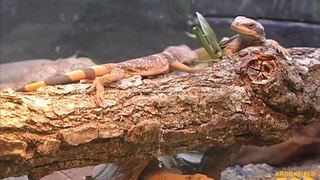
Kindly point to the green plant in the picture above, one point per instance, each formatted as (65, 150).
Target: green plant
(207, 37)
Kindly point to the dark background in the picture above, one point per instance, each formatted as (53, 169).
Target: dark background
(112, 30)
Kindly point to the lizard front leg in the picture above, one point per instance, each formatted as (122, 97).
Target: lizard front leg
(275, 45)
(116, 74)
(180, 66)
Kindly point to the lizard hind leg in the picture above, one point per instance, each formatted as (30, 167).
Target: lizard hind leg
(99, 82)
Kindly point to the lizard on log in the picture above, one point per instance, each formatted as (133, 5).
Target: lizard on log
(173, 57)
(250, 33)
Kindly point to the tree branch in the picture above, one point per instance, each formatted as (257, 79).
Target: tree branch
(61, 127)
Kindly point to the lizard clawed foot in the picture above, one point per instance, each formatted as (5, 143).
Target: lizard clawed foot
(283, 51)
(98, 86)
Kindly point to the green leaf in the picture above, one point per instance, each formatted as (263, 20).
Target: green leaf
(206, 28)
(209, 33)
(204, 41)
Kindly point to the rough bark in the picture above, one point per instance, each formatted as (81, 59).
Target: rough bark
(61, 127)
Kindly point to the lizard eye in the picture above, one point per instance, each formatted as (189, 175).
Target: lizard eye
(251, 26)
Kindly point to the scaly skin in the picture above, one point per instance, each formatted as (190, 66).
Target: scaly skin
(172, 57)
(250, 33)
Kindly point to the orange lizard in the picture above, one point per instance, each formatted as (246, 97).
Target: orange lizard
(173, 57)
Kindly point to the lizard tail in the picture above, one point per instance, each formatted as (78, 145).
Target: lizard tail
(73, 76)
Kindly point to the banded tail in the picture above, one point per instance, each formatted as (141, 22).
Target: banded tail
(73, 76)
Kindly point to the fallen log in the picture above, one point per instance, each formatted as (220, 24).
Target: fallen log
(61, 127)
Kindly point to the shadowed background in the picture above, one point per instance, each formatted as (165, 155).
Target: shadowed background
(121, 29)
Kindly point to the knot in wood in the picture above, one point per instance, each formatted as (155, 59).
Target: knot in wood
(258, 64)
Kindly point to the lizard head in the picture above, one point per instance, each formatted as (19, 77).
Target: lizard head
(248, 28)
(182, 53)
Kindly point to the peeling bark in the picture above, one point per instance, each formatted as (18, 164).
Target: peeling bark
(61, 127)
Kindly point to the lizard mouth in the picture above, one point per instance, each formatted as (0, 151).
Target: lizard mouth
(242, 30)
